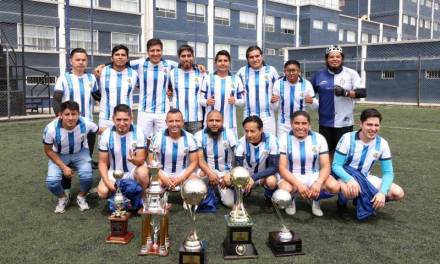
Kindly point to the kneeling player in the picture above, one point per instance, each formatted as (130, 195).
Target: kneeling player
(304, 163)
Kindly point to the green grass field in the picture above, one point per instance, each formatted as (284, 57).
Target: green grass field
(404, 232)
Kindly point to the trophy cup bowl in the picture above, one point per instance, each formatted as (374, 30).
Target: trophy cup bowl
(240, 177)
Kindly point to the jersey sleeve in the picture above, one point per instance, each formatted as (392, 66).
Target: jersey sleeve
(104, 140)
(344, 144)
(386, 152)
(204, 90)
(232, 139)
(274, 146)
(198, 136)
(240, 149)
(192, 143)
(135, 64)
(59, 85)
(283, 143)
(172, 63)
(275, 75)
(91, 126)
(141, 142)
(48, 135)
(322, 144)
(357, 81)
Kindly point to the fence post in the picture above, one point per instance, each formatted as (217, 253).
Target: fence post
(8, 83)
(419, 76)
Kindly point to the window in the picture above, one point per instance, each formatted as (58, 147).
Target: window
(414, 1)
(219, 47)
(242, 52)
(287, 26)
(374, 38)
(248, 20)
(428, 3)
(412, 21)
(125, 5)
(195, 12)
(269, 24)
(392, 39)
(169, 47)
(364, 38)
(222, 16)
(82, 38)
(199, 48)
(281, 52)
(387, 75)
(37, 37)
(341, 35)
(421, 22)
(351, 36)
(435, 26)
(129, 40)
(85, 3)
(269, 51)
(166, 8)
(33, 80)
(307, 75)
(332, 27)
(422, 2)
(436, 6)
(427, 24)
(405, 19)
(432, 74)
(317, 24)
(384, 39)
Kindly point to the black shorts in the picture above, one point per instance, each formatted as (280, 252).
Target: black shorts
(333, 134)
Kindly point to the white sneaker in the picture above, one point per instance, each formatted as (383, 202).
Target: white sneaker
(291, 208)
(82, 203)
(185, 206)
(316, 209)
(61, 205)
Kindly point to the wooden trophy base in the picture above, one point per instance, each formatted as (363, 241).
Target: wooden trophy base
(119, 233)
(153, 250)
(187, 257)
(283, 249)
(239, 251)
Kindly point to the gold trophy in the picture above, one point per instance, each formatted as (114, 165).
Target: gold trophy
(192, 250)
(119, 218)
(238, 242)
(154, 240)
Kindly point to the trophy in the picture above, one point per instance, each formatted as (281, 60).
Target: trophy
(192, 250)
(238, 242)
(154, 240)
(119, 218)
(283, 242)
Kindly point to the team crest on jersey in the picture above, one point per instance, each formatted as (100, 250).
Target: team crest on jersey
(342, 82)
(301, 94)
(225, 144)
(266, 77)
(315, 148)
(186, 150)
(264, 152)
(375, 154)
(133, 145)
(196, 79)
(129, 81)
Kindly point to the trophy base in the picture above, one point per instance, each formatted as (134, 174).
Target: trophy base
(239, 251)
(189, 257)
(288, 248)
(119, 233)
(119, 239)
(153, 250)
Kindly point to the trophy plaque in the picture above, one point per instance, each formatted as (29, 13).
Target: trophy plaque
(193, 250)
(119, 218)
(154, 230)
(283, 242)
(238, 242)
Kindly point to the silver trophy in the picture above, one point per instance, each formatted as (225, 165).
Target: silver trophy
(281, 199)
(119, 199)
(239, 179)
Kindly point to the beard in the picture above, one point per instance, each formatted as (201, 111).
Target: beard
(213, 134)
(335, 70)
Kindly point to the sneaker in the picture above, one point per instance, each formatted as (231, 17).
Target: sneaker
(291, 208)
(82, 203)
(316, 209)
(185, 206)
(93, 193)
(61, 205)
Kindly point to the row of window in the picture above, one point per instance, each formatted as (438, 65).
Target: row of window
(429, 74)
(423, 23)
(365, 37)
(428, 3)
(126, 5)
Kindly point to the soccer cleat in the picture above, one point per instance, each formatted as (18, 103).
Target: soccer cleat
(291, 208)
(82, 203)
(61, 205)
(316, 209)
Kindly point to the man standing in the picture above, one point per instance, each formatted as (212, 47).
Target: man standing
(185, 83)
(216, 151)
(337, 87)
(65, 143)
(258, 79)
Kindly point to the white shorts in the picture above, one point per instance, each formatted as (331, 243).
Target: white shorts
(307, 179)
(269, 124)
(104, 123)
(151, 123)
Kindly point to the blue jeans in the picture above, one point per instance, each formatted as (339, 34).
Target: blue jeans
(80, 162)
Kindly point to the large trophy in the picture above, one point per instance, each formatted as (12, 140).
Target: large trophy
(119, 218)
(154, 240)
(283, 242)
(192, 250)
(238, 242)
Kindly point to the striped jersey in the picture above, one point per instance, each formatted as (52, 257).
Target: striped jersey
(258, 86)
(119, 147)
(186, 91)
(256, 157)
(78, 89)
(218, 152)
(362, 156)
(153, 84)
(292, 97)
(68, 141)
(221, 89)
(173, 154)
(116, 88)
(303, 154)
(336, 111)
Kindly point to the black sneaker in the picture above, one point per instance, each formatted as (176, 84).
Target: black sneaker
(268, 206)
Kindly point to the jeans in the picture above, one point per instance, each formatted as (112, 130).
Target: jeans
(80, 162)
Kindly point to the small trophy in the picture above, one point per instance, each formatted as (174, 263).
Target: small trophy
(238, 242)
(283, 242)
(192, 250)
(154, 240)
(119, 218)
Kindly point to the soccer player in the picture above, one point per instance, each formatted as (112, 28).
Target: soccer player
(65, 143)
(258, 79)
(216, 145)
(185, 83)
(117, 82)
(223, 91)
(176, 150)
(360, 150)
(294, 93)
(338, 87)
(258, 152)
(122, 147)
(304, 163)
